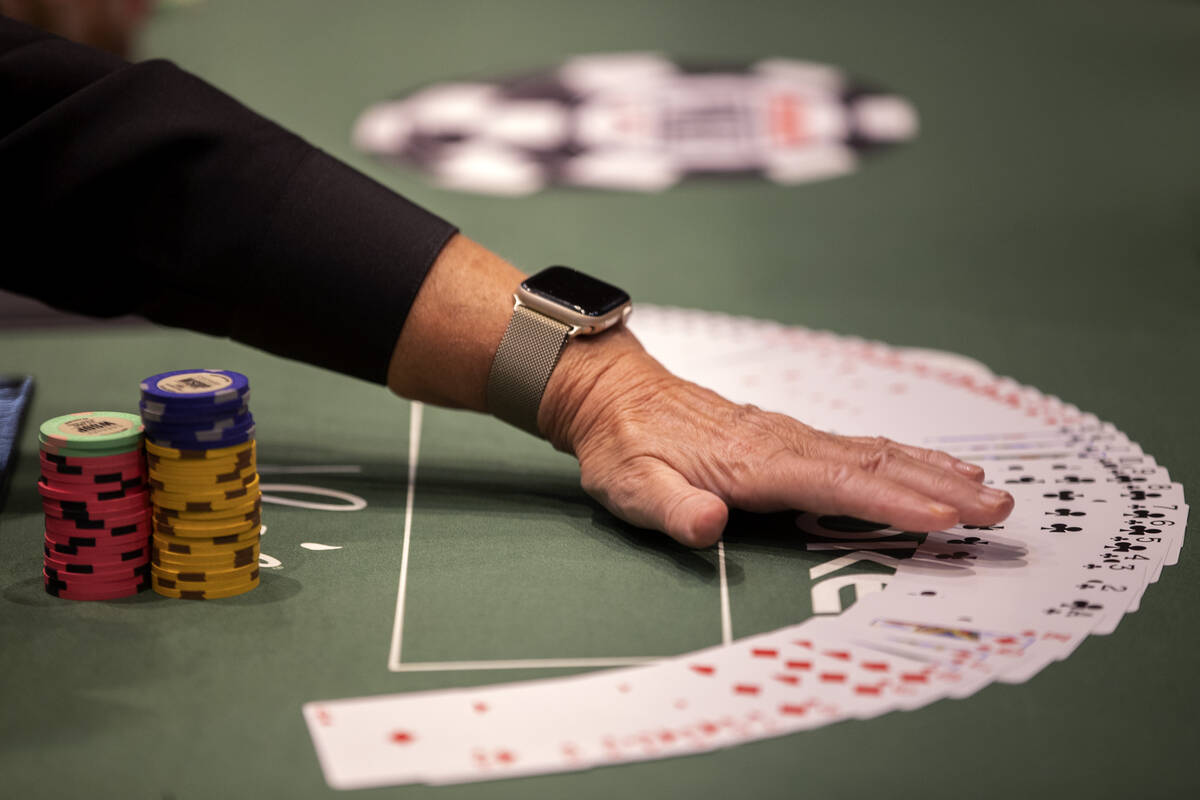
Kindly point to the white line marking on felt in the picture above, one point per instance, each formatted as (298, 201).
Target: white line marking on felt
(353, 502)
(320, 469)
(522, 663)
(319, 546)
(414, 448)
(396, 665)
(726, 617)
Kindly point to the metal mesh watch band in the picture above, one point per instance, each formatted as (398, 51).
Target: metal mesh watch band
(521, 369)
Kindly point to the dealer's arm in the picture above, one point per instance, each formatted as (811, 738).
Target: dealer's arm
(141, 189)
(659, 451)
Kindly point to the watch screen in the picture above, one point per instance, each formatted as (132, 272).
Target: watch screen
(575, 290)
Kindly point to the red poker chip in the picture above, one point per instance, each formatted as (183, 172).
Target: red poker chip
(101, 572)
(95, 540)
(121, 461)
(89, 476)
(103, 481)
(101, 555)
(135, 517)
(89, 542)
(107, 536)
(67, 554)
(92, 512)
(96, 527)
(82, 520)
(110, 592)
(84, 493)
(86, 582)
(75, 466)
(91, 520)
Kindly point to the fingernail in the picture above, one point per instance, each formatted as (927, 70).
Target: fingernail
(970, 470)
(994, 497)
(942, 509)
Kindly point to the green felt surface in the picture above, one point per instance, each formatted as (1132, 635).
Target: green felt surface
(1045, 222)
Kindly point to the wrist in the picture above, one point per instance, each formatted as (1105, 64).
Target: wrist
(594, 374)
(438, 359)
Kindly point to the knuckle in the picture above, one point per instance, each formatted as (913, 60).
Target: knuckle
(879, 453)
(744, 445)
(745, 414)
(758, 442)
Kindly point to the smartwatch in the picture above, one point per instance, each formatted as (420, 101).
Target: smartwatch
(549, 309)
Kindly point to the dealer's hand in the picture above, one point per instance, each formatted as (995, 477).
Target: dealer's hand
(666, 454)
(656, 450)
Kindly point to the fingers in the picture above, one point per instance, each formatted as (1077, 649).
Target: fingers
(976, 504)
(829, 487)
(650, 494)
(935, 458)
(927, 472)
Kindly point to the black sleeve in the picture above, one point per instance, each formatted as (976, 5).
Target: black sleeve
(138, 188)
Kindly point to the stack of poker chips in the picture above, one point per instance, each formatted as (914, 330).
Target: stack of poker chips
(93, 487)
(203, 483)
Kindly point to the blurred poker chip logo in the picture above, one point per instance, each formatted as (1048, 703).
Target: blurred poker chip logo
(637, 122)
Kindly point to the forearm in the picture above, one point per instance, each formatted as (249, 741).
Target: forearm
(444, 354)
(141, 189)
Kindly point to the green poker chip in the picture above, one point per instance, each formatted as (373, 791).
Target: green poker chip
(79, 452)
(91, 433)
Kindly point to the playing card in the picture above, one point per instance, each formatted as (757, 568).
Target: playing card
(1096, 519)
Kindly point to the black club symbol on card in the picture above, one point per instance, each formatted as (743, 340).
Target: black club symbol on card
(1140, 530)
(956, 555)
(983, 527)
(1077, 608)
(1075, 479)
(1065, 495)
(1062, 527)
(1138, 494)
(1126, 479)
(1124, 547)
(1024, 479)
(1143, 513)
(1065, 512)
(968, 540)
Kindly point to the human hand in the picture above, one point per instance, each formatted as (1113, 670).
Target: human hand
(663, 453)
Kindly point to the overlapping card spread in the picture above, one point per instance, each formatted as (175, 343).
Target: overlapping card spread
(1096, 520)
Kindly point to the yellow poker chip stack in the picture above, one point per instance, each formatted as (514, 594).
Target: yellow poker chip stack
(203, 478)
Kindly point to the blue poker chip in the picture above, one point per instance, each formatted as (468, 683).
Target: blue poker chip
(200, 434)
(193, 416)
(191, 388)
(210, 425)
(196, 444)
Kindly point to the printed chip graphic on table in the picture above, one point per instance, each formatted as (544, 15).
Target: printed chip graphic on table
(638, 122)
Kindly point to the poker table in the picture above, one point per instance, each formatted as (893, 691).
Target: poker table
(1044, 222)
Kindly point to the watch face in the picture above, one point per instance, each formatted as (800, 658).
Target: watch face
(579, 292)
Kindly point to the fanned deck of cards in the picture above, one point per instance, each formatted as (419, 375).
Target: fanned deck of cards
(1096, 520)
